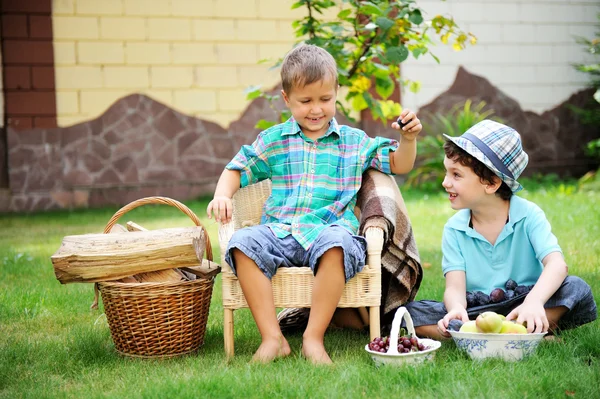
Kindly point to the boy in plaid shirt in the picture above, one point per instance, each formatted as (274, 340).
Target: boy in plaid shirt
(496, 236)
(316, 167)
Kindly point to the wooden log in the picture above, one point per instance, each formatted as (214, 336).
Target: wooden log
(158, 276)
(106, 257)
(133, 226)
(205, 270)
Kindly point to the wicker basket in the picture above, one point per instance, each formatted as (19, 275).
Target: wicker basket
(153, 320)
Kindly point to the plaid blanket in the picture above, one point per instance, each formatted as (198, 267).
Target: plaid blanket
(381, 205)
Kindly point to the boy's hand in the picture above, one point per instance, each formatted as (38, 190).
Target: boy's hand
(222, 207)
(533, 313)
(458, 313)
(411, 125)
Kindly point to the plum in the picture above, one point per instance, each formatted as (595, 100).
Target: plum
(510, 284)
(471, 301)
(482, 298)
(455, 324)
(497, 295)
(510, 294)
(521, 289)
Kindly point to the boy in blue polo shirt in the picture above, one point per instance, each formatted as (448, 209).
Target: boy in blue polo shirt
(496, 236)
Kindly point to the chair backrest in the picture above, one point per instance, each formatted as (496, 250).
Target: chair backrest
(248, 204)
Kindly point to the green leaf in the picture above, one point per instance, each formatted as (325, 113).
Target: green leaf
(416, 17)
(344, 14)
(369, 8)
(381, 71)
(418, 51)
(359, 103)
(264, 124)
(253, 92)
(384, 86)
(384, 23)
(396, 54)
(414, 86)
(285, 115)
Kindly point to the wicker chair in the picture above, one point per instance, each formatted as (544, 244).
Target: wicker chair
(292, 287)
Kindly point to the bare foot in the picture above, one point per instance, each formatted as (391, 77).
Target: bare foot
(314, 351)
(271, 349)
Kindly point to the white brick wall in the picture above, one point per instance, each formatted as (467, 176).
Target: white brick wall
(525, 48)
(199, 56)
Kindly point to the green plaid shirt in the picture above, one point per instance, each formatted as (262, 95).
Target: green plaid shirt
(314, 183)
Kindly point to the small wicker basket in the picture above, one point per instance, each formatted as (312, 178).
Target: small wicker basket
(165, 319)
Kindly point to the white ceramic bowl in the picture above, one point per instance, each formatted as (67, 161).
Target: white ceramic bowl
(509, 347)
(392, 357)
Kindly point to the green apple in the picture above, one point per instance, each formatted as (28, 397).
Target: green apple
(489, 322)
(469, 327)
(511, 327)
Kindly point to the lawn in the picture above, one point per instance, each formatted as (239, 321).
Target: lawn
(53, 345)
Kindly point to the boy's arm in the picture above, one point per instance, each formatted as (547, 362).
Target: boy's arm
(455, 299)
(532, 310)
(403, 159)
(221, 205)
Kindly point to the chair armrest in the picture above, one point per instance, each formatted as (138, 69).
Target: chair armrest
(226, 231)
(374, 237)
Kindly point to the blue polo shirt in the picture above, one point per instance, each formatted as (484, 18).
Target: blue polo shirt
(523, 243)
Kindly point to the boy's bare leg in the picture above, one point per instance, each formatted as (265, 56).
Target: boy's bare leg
(258, 291)
(554, 315)
(327, 291)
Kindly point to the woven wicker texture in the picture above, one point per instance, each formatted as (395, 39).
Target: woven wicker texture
(163, 319)
(292, 287)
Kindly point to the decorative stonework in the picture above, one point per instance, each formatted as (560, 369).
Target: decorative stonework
(554, 139)
(138, 147)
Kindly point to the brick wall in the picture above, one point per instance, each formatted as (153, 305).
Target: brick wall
(28, 64)
(526, 48)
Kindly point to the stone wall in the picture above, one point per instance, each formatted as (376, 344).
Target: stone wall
(140, 147)
(137, 148)
(554, 139)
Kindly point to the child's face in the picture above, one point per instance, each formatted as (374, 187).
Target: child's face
(313, 106)
(464, 187)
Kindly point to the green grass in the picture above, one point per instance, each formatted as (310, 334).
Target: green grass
(53, 345)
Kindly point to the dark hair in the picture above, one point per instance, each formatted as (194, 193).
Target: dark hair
(307, 64)
(486, 175)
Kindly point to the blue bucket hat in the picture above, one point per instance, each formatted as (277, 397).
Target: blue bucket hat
(498, 147)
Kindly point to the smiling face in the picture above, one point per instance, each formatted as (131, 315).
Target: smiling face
(313, 106)
(465, 189)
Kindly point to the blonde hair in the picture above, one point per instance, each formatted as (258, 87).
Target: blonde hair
(307, 64)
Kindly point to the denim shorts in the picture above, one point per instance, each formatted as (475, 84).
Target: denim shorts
(270, 252)
(574, 293)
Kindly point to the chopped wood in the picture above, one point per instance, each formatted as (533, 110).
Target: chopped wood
(132, 226)
(118, 228)
(107, 257)
(128, 279)
(205, 269)
(160, 276)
